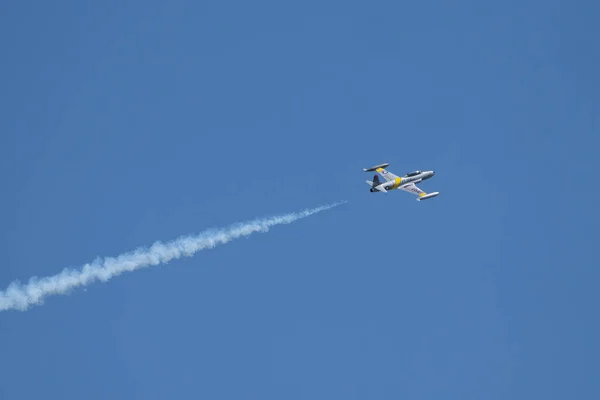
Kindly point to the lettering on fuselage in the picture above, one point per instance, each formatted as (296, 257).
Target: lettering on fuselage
(408, 179)
(404, 181)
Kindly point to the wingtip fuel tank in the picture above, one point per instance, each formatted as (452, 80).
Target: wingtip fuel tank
(428, 196)
(374, 168)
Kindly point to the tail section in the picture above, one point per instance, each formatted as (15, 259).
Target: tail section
(374, 183)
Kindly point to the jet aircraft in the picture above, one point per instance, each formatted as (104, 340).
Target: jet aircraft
(406, 182)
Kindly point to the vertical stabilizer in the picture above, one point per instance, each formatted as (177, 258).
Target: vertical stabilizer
(376, 181)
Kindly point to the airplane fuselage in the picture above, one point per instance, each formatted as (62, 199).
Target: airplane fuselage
(404, 180)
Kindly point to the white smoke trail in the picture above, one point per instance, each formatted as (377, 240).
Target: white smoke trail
(20, 297)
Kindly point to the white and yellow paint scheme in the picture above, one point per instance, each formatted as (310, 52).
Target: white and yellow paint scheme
(406, 182)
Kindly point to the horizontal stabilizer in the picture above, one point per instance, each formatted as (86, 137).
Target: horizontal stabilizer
(376, 187)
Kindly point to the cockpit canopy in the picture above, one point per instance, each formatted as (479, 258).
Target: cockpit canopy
(413, 173)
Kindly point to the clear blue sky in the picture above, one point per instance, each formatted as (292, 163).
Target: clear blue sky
(127, 122)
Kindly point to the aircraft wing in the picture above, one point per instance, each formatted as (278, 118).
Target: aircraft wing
(387, 175)
(412, 188)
